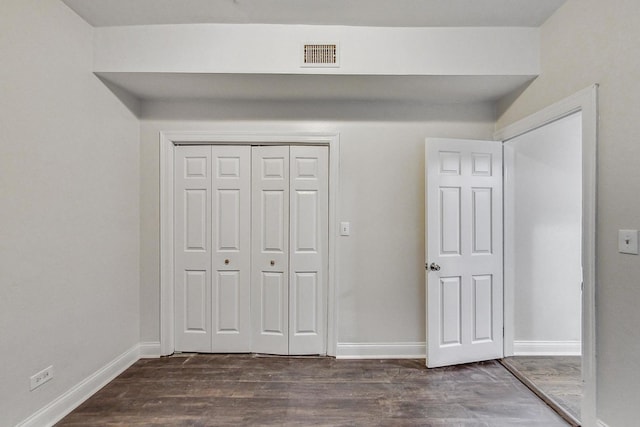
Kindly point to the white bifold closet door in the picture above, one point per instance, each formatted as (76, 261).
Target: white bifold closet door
(213, 248)
(290, 232)
(251, 231)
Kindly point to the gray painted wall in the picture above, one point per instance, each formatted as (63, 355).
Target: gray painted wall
(69, 216)
(587, 42)
(381, 265)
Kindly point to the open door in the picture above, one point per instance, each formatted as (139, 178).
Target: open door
(464, 251)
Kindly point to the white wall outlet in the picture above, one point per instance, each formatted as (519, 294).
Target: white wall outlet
(41, 377)
(345, 228)
(628, 242)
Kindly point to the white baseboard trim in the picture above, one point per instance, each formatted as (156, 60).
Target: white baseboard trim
(149, 350)
(67, 402)
(402, 350)
(547, 348)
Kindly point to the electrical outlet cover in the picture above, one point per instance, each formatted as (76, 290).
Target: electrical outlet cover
(41, 377)
(628, 242)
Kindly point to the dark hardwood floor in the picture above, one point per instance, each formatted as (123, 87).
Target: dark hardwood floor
(245, 390)
(558, 377)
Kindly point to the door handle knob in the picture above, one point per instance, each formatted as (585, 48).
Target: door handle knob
(272, 262)
(433, 267)
(226, 261)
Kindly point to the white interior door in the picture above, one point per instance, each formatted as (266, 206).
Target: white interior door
(308, 249)
(270, 248)
(231, 243)
(193, 248)
(464, 251)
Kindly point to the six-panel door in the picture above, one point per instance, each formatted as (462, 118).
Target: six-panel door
(464, 242)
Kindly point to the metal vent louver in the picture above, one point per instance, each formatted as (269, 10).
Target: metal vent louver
(320, 55)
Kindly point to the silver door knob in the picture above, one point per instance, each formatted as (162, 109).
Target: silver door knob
(434, 267)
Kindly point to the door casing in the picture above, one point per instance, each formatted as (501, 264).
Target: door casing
(586, 102)
(168, 142)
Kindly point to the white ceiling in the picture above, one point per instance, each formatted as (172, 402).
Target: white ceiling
(383, 13)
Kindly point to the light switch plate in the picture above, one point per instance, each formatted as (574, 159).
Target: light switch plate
(345, 228)
(628, 242)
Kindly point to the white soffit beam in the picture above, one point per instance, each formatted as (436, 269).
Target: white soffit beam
(276, 49)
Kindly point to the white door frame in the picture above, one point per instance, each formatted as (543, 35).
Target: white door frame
(168, 142)
(586, 102)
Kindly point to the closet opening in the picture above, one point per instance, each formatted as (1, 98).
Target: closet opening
(247, 243)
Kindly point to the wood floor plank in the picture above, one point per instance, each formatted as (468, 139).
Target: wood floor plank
(245, 390)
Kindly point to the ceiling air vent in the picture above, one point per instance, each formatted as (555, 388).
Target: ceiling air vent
(320, 55)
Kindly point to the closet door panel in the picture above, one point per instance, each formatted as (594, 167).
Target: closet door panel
(270, 254)
(192, 248)
(231, 255)
(308, 244)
